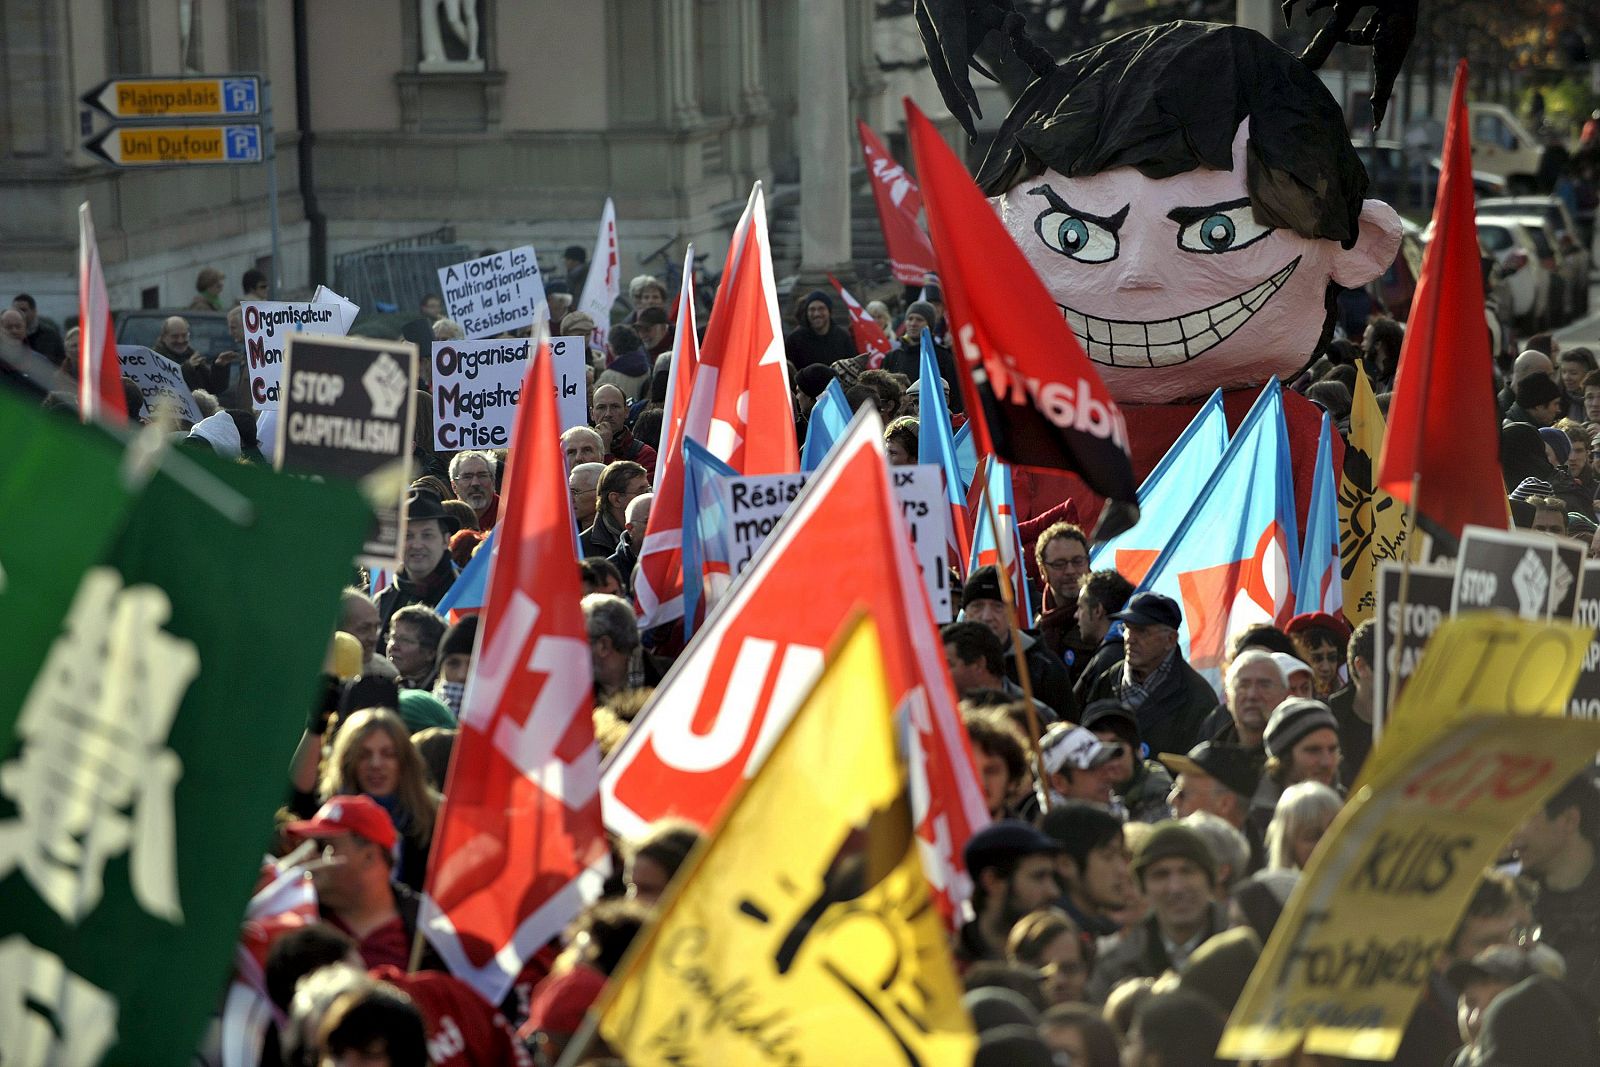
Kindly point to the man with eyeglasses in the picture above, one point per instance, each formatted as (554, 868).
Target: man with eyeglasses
(472, 479)
(1062, 552)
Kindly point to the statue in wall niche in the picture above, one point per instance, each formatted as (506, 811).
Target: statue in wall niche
(461, 17)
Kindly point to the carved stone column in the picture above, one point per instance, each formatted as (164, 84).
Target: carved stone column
(824, 140)
(681, 89)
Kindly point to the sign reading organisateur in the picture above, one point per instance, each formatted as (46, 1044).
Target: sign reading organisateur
(478, 384)
(348, 410)
(494, 294)
(267, 326)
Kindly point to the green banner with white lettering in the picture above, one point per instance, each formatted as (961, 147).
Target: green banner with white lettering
(164, 642)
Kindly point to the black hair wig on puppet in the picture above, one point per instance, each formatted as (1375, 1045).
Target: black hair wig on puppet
(1170, 98)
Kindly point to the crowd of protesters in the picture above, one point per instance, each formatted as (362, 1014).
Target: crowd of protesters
(1147, 828)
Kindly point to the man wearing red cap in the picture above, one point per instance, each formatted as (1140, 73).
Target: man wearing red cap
(354, 890)
(1320, 638)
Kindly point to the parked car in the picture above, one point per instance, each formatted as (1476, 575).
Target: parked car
(1569, 273)
(1568, 237)
(208, 330)
(1389, 183)
(1502, 145)
(1395, 287)
(1528, 282)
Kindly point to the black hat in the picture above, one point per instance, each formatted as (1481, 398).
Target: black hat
(1112, 714)
(1292, 720)
(1005, 840)
(576, 252)
(422, 504)
(1234, 766)
(815, 295)
(814, 380)
(652, 316)
(1536, 390)
(1150, 609)
(929, 313)
(982, 584)
(459, 638)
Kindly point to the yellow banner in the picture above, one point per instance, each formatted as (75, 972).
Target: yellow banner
(802, 933)
(1372, 525)
(1392, 877)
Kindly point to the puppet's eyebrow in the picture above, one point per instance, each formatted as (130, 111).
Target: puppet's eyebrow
(1113, 223)
(1185, 215)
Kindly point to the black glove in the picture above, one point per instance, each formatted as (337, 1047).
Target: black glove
(323, 707)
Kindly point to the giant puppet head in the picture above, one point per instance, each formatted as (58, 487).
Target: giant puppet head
(1190, 197)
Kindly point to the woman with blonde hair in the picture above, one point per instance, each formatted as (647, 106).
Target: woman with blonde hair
(1302, 816)
(1050, 943)
(373, 754)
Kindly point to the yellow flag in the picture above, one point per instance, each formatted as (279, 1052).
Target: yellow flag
(1478, 744)
(1372, 525)
(802, 933)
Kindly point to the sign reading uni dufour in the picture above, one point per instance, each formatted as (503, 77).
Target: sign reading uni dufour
(168, 120)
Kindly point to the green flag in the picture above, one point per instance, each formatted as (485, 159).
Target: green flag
(147, 722)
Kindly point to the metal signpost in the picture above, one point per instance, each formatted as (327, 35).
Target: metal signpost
(175, 121)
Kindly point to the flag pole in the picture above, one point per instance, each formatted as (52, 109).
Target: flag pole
(574, 1052)
(1405, 594)
(1008, 597)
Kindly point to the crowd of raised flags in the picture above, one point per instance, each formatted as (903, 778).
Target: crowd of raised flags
(810, 724)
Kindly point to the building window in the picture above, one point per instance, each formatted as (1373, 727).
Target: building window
(127, 37)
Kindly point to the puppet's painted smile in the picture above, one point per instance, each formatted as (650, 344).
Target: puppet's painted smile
(1168, 342)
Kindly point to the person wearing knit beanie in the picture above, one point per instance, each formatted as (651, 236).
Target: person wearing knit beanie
(455, 662)
(1538, 401)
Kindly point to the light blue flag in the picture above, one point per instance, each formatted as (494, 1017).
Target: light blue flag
(1321, 586)
(829, 417)
(985, 548)
(936, 444)
(1234, 560)
(706, 551)
(1167, 494)
(966, 455)
(472, 584)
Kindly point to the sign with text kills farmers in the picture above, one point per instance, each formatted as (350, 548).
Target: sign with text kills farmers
(348, 411)
(1476, 746)
(267, 326)
(494, 294)
(478, 384)
(754, 505)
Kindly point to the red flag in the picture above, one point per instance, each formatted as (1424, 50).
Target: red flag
(658, 583)
(1443, 422)
(868, 335)
(519, 847)
(99, 370)
(899, 202)
(741, 390)
(713, 718)
(1042, 403)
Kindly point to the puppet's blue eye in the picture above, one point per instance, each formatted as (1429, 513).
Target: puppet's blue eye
(1076, 237)
(1222, 231)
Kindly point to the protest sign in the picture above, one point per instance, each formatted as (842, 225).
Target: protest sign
(1566, 583)
(1584, 703)
(1428, 604)
(1512, 570)
(1435, 805)
(754, 505)
(494, 294)
(348, 411)
(347, 310)
(157, 376)
(131, 824)
(267, 326)
(477, 384)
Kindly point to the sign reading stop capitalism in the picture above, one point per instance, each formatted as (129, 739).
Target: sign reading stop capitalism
(161, 146)
(226, 96)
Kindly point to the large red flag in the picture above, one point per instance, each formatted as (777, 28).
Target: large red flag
(899, 202)
(1443, 425)
(864, 329)
(1032, 396)
(99, 370)
(842, 547)
(741, 389)
(519, 847)
(658, 583)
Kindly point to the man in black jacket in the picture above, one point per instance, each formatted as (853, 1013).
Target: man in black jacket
(981, 602)
(1168, 696)
(818, 339)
